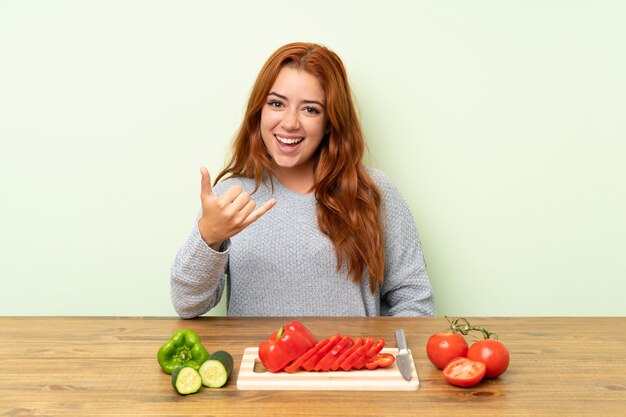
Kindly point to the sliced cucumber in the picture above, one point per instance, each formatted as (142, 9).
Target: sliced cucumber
(216, 370)
(186, 380)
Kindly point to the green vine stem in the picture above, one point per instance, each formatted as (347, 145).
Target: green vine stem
(461, 325)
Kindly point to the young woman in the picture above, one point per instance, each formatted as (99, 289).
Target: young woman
(329, 237)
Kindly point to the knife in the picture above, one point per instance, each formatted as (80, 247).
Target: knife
(403, 358)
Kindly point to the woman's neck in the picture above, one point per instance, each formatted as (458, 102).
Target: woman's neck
(297, 179)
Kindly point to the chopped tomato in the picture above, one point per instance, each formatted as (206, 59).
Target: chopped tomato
(381, 360)
(464, 372)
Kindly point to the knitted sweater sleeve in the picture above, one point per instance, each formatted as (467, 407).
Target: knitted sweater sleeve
(406, 290)
(197, 276)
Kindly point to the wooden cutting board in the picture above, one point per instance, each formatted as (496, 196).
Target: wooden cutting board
(254, 376)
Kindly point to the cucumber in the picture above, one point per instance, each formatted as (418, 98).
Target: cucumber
(186, 380)
(216, 370)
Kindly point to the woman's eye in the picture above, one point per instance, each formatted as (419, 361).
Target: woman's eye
(311, 110)
(274, 103)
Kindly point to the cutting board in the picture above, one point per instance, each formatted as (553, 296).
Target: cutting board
(254, 376)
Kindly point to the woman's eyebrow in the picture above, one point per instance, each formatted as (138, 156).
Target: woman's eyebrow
(273, 93)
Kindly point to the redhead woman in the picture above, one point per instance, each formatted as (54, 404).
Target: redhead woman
(295, 223)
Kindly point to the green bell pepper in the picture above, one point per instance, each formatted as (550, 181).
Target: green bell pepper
(183, 349)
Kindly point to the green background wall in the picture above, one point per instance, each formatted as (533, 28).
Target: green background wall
(502, 122)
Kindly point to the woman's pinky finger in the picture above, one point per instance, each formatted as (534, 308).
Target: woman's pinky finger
(245, 212)
(256, 214)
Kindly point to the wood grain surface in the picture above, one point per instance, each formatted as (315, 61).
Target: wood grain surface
(97, 366)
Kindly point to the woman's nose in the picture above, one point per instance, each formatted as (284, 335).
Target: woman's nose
(291, 119)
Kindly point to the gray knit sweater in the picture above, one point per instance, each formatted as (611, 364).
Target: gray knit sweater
(283, 265)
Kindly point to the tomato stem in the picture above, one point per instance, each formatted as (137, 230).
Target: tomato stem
(461, 325)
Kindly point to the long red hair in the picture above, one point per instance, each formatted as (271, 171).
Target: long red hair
(348, 200)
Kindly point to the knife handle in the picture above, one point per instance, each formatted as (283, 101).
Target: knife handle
(401, 339)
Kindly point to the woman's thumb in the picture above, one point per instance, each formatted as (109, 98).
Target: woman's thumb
(206, 189)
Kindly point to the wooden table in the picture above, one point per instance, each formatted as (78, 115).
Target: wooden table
(93, 366)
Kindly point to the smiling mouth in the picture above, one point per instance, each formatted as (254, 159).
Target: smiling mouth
(288, 141)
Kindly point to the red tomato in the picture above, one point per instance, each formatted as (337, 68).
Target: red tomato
(493, 354)
(464, 372)
(444, 346)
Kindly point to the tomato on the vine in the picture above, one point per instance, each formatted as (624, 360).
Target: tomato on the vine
(442, 347)
(493, 354)
(464, 372)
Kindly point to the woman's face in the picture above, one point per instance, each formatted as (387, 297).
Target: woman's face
(293, 121)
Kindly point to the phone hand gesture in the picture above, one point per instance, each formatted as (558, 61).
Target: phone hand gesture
(228, 214)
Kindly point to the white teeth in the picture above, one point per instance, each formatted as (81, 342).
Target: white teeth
(287, 141)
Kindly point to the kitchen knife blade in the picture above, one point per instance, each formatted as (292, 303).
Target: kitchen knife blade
(403, 358)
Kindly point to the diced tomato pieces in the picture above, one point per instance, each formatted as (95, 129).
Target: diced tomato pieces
(295, 365)
(381, 360)
(325, 363)
(317, 356)
(357, 343)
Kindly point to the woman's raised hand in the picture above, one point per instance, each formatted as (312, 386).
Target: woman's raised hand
(228, 214)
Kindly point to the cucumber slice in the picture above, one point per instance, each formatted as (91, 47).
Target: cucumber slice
(217, 369)
(186, 380)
